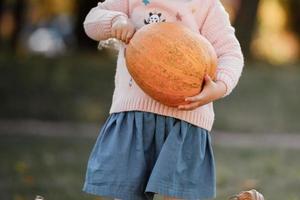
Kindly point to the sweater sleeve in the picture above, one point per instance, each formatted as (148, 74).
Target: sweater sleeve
(98, 22)
(218, 30)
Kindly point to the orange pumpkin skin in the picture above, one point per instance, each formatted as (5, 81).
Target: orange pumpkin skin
(169, 62)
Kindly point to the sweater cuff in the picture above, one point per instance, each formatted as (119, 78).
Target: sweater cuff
(97, 30)
(107, 22)
(227, 80)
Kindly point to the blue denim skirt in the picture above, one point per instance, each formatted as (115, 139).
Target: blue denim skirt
(138, 154)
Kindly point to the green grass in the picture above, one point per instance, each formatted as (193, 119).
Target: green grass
(274, 172)
(266, 99)
(76, 87)
(54, 167)
(79, 87)
(51, 167)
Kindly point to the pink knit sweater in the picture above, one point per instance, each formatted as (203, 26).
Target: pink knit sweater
(207, 17)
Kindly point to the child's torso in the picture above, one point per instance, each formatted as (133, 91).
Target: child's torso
(127, 94)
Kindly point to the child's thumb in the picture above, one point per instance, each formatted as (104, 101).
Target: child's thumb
(207, 78)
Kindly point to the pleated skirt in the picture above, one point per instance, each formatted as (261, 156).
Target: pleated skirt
(138, 154)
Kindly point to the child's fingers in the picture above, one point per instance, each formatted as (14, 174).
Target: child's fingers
(207, 78)
(200, 97)
(119, 34)
(129, 35)
(124, 35)
(113, 32)
(127, 40)
(193, 99)
(205, 93)
(190, 106)
(116, 33)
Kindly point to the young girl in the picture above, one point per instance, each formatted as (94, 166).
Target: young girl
(145, 147)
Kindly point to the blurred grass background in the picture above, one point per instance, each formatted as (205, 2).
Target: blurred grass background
(78, 87)
(56, 90)
(54, 167)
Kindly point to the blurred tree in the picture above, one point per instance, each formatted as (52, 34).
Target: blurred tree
(294, 14)
(273, 41)
(84, 7)
(1, 5)
(18, 13)
(293, 7)
(11, 22)
(245, 24)
(1, 18)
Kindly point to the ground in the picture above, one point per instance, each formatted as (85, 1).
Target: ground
(49, 159)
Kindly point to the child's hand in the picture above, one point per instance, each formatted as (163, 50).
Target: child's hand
(122, 29)
(211, 92)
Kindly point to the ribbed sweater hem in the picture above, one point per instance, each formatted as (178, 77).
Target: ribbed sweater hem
(200, 119)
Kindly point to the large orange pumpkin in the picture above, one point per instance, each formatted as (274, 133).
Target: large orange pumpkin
(169, 61)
